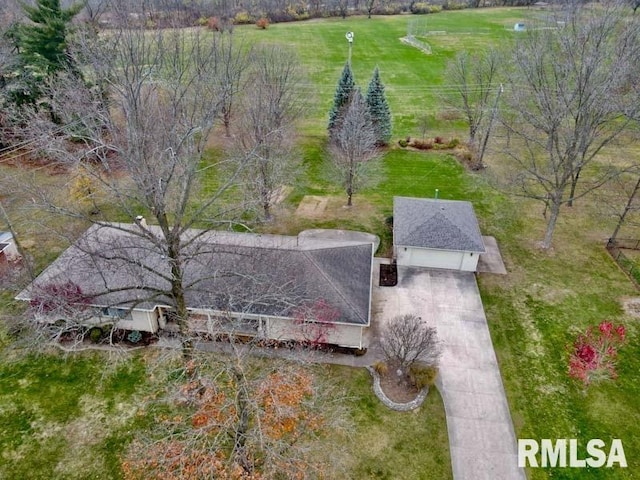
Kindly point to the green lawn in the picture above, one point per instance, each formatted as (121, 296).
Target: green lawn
(412, 79)
(533, 313)
(72, 417)
(67, 417)
(537, 311)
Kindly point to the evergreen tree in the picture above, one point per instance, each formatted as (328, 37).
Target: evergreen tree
(42, 47)
(379, 109)
(44, 42)
(345, 88)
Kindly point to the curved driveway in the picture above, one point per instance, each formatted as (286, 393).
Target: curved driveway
(481, 436)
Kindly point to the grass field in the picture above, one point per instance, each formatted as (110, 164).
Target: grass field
(534, 313)
(73, 417)
(413, 79)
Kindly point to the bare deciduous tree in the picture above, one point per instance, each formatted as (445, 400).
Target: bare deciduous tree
(353, 146)
(407, 339)
(473, 84)
(247, 419)
(265, 136)
(620, 202)
(233, 60)
(150, 115)
(575, 91)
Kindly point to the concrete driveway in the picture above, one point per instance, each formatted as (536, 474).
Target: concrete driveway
(481, 436)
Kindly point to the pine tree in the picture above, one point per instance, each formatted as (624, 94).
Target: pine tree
(44, 42)
(379, 109)
(345, 88)
(42, 48)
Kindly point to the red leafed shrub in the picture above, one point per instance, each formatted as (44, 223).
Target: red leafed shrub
(59, 298)
(316, 321)
(262, 23)
(438, 140)
(592, 356)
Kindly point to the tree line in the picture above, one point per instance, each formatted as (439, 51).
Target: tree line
(552, 103)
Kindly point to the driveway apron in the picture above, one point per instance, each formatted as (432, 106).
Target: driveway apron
(481, 435)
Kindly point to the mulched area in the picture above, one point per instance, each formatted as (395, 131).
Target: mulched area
(397, 388)
(388, 275)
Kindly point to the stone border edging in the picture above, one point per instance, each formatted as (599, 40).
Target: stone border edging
(399, 407)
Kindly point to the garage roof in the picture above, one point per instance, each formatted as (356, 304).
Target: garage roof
(436, 224)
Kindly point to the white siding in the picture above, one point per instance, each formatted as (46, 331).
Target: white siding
(470, 262)
(344, 335)
(141, 320)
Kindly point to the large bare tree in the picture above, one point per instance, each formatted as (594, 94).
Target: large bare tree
(407, 339)
(233, 60)
(265, 139)
(474, 91)
(574, 91)
(146, 123)
(353, 145)
(246, 418)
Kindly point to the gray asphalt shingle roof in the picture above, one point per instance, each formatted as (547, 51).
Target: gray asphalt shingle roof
(437, 224)
(270, 275)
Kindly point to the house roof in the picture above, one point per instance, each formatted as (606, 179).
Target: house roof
(436, 224)
(248, 273)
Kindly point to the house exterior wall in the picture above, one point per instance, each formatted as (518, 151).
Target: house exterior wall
(142, 320)
(470, 262)
(431, 258)
(351, 336)
(274, 328)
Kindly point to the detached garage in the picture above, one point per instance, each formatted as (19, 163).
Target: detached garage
(436, 234)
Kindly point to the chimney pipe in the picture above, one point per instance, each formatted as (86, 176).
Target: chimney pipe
(140, 220)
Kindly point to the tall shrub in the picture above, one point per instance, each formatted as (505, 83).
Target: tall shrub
(346, 86)
(379, 109)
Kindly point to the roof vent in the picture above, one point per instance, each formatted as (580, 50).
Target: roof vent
(140, 220)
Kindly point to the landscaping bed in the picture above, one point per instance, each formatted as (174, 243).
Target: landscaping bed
(388, 275)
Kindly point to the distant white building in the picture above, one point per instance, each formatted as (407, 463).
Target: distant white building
(8, 250)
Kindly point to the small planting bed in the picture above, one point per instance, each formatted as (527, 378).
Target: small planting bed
(388, 275)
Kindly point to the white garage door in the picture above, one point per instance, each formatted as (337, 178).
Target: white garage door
(430, 258)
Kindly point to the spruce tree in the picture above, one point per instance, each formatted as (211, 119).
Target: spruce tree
(345, 88)
(42, 45)
(45, 41)
(379, 109)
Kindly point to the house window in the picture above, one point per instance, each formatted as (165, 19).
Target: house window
(119, 313)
